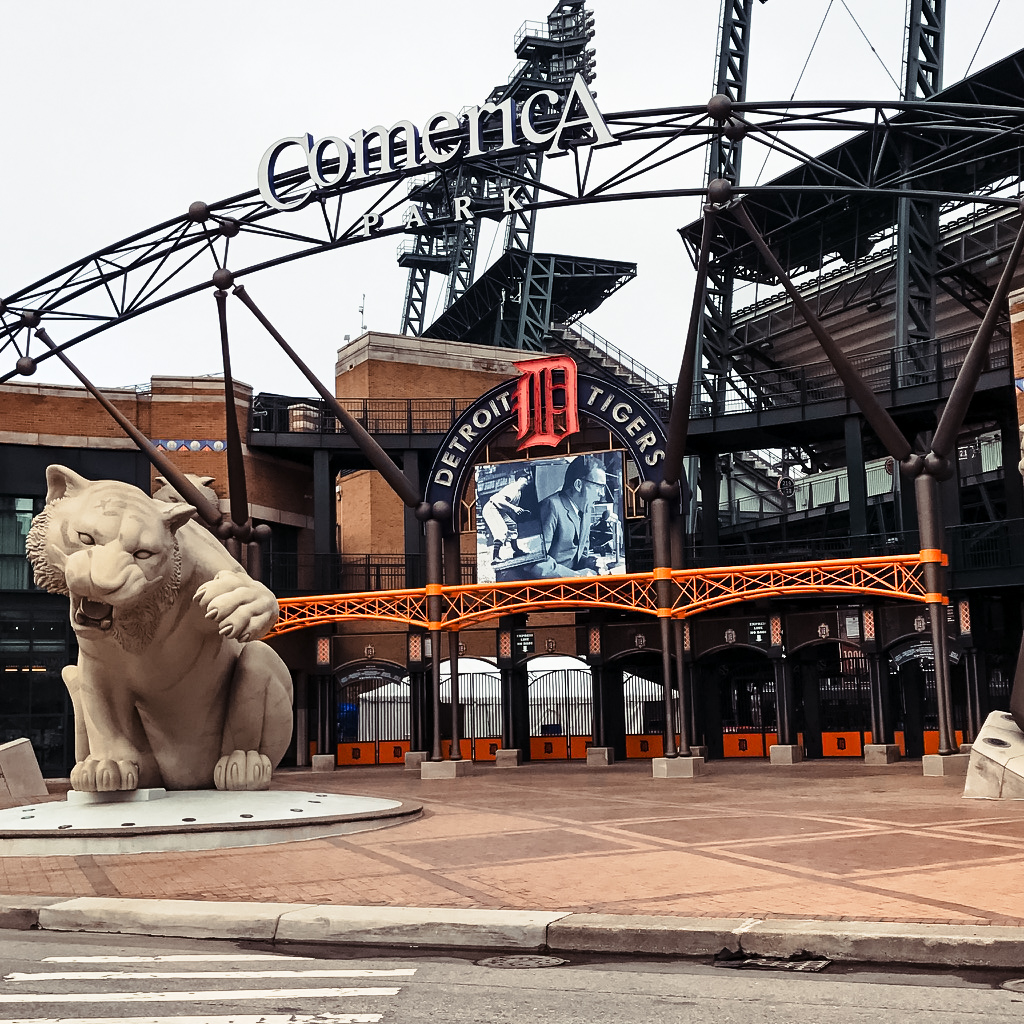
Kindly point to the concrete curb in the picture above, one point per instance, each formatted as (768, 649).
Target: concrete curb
(419, 926)
(561, 932)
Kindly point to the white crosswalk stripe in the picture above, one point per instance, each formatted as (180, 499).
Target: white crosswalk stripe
(34, 989)
(191, 975)
(197, 995)
(173, 958)
(248, 1018)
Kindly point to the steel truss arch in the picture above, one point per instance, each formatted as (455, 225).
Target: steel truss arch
(697, 590)
(176, 259)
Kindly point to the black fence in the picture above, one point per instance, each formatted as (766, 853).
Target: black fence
(289, 574)
(283, 415)
(973, 547)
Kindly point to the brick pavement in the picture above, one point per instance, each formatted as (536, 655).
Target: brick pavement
(829, 840)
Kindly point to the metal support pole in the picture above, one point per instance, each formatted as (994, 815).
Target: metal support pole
(434, 590)
(874, 411)
(378, 458)
(679, 417)
(597, 726)
(506, 709)
(929, 514)
(875, 692)
(783, 701)
(974, 718)
(239, 500)
(453, 682)
(663, 584)
(683, 703)
(678, 540)
(452, 575)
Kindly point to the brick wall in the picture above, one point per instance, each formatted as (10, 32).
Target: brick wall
(174, 409)
(397, 366)
(371, 517)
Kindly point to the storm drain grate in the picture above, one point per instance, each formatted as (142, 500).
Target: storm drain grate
(802, 961)
(521, 962)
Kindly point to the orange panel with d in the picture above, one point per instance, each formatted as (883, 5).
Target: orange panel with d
(357, 753)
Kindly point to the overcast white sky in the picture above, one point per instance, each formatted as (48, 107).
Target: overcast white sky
(117, 114)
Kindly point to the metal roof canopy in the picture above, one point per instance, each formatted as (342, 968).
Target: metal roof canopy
(803, 220)
(488, 313)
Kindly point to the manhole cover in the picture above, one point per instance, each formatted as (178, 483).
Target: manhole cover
(1017, 985)
(520, 962)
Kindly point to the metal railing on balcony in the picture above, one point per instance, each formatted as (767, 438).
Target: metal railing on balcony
(784, 387)
(291, 574)
(977, 547)
(803, 549)
(283, 414)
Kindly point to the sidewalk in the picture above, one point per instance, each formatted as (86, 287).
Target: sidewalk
(826, 841)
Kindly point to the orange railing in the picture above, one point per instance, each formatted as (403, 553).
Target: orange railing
(695, 590)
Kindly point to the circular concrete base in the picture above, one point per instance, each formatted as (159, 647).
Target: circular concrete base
(150, 821)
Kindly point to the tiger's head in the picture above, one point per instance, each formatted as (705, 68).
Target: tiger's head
(112, 549)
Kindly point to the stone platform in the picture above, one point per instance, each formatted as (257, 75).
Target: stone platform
(153, 820)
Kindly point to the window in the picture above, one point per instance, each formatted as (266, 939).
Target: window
(15, 520)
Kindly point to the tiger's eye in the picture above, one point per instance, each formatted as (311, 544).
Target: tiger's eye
(86, 538)
(143, 554)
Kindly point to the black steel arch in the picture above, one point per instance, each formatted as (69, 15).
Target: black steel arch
(176, 258)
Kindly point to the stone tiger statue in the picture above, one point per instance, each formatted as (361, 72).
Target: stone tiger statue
(172, 687)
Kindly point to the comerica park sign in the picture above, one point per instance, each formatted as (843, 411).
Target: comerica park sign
(444, 138)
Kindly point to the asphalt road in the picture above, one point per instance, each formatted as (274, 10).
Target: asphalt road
(81, 978)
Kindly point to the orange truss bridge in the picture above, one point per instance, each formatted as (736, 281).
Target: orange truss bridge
(692, 591)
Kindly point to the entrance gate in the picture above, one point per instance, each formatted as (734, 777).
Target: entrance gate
(561, 714)
(644, 700)
(833, 692)
(738, 701)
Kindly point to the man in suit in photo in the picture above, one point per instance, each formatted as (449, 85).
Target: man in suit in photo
(565, 521)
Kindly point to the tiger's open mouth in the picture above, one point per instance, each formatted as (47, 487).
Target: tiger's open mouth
(92, 614)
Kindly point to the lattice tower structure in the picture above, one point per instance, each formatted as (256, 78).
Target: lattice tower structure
(917, 228)
(551, 54)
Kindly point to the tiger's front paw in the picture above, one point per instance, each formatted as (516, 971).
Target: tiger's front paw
(104, 775)
(243, 770)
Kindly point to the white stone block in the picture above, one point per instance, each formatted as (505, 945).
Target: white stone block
(677, 767)
(324, 762)
(508, 758)
(785, 753)
(128, 796)
(600, 757)
(20, 777)
(445, 769)
(881, 753)
(414, 758)
(945, 766)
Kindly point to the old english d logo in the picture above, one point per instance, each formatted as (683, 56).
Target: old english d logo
(544, 401)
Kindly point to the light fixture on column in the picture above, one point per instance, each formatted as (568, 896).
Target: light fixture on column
(868, 620)
(505, 644)
(415, 648)
(965, 617)
(323, 650)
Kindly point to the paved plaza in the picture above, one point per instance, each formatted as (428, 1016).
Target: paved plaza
(826, 840)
